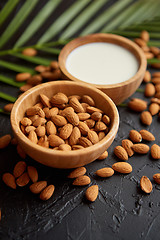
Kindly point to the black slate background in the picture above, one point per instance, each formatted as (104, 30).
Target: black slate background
(122, 211)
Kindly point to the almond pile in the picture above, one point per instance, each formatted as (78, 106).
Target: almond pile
(65, 123)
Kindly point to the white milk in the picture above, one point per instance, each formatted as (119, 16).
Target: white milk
(101, 63)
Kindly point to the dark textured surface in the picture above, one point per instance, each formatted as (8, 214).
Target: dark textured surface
(121, 211)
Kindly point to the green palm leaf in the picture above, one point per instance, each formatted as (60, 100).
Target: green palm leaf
(8, 8)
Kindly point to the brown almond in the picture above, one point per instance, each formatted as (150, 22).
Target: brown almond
(33, 137)
(34, 80)
(122, 167)
(127, 145)
(66, 131)
(40, 131)
(90, 123)
(8, 107)
(155, 100)
(23, 180)
(45, 100)
(55, 141)
(140, 148)
(37, 187)
(140, 42)
(144, 35)
(101, 135)
(9, 180)
(137, 105)
(157, 87)
(147, 77)
(74, 137)
(105, 172)
(53, 111)
(92, 193)
(156, 80)
(93, 109)
(155, 50)
(157, 95)
(47, 193)
(39, 104)
(156, 178)
(156, 74)
(85, 105)
(59, 120)
(77, 172)
(39, 122)
(35, 111)
(40, 68)
(146, 135)
(59, 98)
(106, 119)
(26, 121)
(84, 129)
(155, 65)
(33, 118)
(65, 147)
(88, 99)
(43, 141)
(100, 126)
(82, 181)
(155, 151)
(145, 49)
(77, 147)
(76, 96)
(97, 116)
(51, 128)
(75, 104)
(72, 117)
(5, 141)
(85, 142)
(145, 184)
(149, 90)
(149, 55)
(19, 169)
(146, 118)
(135, 136)
(25, 87)
(121, 153)
(154, 108)
(22, 129)
(83, 116)
(32, 173)
(21, 77)
(21, 152)
(29, 128)
(93, 137)
(103, 156)
(54, 65)
(29, 52)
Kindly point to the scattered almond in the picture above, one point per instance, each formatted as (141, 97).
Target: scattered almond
(155, 151)
(121, 153)
(137, 105)
(156, 178)
(21, 77)
(32, 173)
(144, 35)
(135, 136)
(92, 193)
(146, 135)
(19, 169)
(37, 187)
(8, 107)
(149, 90)
(29, 52)
(147, 77)
(9, 180)
(103, 156)
(47, 192)
(140, 148)
(77, 172)
(5, 141)
(146, 118)
(122, 167)
(127, 145)
(21, 152)
(23, 180)
(105, 172)
(146, 184)
(82, 181)
(154, 108)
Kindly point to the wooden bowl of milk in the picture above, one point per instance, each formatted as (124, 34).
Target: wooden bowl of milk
(109, 62)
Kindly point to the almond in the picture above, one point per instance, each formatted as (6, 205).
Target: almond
(103, 156)
(88, 99)
(106, 119)
(47, 193)
(146, 135)
(59, 120)
(105, 172)
(76, 96)
(144, 35)
(96, 116)
(156, 80)
(140, 148)
(33, 118)
(101, 135)
(51, 128)
(21, 152)
(149, 55)
(23, 129)
(43, 141)
(121, 153)
(155, 50)
(90, 123)
(146, 118)
(34, 80)
(55, 141)
(127, 145)
(39, 104)
(66, 131)
(19, 169)
(157, 95)
(147, 77)
(21, 77)
(65, 147)
(32, 173)
(4, 141)
(45, 100)
(140, 42)
(77, 147)
(156, 74)
(39, 122)
(82, 181)
(157, 87)
(33, 137)
(40, 131)
(77, 172)
(84, 129)
(135, 136)
(75, 104)
(155, 100)
(93, 109)
(122, 167)
(23, 180)
(156, 178)
(154, 108)
(85, 142)
(155, 151)
(93, 137)
(85, 105)
(54, 65)
(59, 98)
(145, 184)
(37, 187)
(29, 52)
(83, 116)
(29, 128)
(149, 90)
(40, 68)
(74, 137)
(53, 111)
(72, 117)
(100, 126)
(92, 193)
(9, 180)
(8, 107)
(35, 110)
(137, 105)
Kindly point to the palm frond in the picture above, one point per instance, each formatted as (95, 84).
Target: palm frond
(16, 67)
(8, 8)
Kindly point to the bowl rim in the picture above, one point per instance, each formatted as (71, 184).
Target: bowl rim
(19, 134)
(97, 37)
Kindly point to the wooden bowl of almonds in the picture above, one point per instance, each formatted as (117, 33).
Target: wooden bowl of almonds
(64, 124)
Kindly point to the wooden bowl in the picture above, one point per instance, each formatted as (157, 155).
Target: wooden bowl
(56, 158)
(117, 92)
